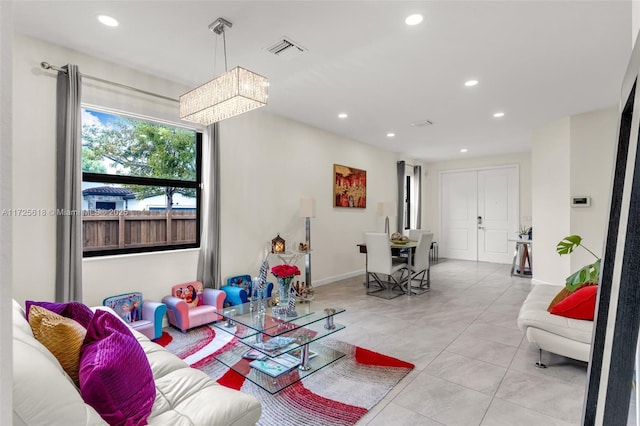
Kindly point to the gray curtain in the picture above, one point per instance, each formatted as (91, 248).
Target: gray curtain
(401, 196)
(417, 179)
(209, 271)
(69, 186)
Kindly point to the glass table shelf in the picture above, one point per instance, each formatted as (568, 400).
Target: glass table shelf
(273, 335)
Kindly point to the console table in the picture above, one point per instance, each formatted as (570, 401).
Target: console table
(255, 331)
(523, 255)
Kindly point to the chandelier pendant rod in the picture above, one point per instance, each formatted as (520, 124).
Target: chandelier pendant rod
(224, 46)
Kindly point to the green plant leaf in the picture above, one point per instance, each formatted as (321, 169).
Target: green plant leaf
(589, 273)
(567, 244)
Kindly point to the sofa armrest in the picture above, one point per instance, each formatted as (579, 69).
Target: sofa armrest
(154, 312)
(235, 295)
(177, 311)
(214, 297)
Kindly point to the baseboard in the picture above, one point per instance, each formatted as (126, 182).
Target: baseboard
(329, 280)
(536, 282)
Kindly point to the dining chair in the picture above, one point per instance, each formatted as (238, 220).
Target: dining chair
(421, 269)
(379, 264)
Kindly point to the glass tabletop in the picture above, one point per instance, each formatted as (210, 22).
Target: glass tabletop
(274, 323)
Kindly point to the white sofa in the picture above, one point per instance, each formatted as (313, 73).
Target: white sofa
(564, 336)
(43, 394)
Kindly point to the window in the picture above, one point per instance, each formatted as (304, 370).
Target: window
(140, 185)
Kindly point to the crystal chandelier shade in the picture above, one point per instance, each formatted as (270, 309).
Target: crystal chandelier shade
(232, 93)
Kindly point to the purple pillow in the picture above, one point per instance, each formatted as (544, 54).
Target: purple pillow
(115, 376)
(74, 310)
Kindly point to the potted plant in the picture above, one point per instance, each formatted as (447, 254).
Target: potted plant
(525, 232)
(588, 273)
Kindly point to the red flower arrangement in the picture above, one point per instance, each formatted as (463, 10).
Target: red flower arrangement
(285, 271)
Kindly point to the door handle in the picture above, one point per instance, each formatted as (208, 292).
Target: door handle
(479, 220)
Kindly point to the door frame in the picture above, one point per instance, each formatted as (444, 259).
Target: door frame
(477, 169)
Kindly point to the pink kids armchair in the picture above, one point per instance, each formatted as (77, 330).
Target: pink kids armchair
(190, 305)
(142, 315)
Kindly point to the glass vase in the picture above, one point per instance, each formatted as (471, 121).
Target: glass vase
(284, 285)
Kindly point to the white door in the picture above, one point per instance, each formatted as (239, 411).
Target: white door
(459, 201)
(479, 214)
(498, 214)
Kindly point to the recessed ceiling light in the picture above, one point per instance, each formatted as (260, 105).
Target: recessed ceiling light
(342, 115)
(413, 19)
(391, 135)
(464, 150)
(498, 114)
(107, 20)
(470, 83)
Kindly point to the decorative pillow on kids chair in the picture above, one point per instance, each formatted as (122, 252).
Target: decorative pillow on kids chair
(142, 315)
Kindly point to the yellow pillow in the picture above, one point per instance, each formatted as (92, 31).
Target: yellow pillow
(62, 336)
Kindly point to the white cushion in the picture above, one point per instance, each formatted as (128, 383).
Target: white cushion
(564, 336)
(534, 314)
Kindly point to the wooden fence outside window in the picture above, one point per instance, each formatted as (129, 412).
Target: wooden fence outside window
(115, 229)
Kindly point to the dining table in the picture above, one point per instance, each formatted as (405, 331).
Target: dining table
(397, 247)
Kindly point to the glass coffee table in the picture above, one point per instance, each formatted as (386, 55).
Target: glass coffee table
(271, 342)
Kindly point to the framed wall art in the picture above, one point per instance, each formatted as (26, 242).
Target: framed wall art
(349, 187)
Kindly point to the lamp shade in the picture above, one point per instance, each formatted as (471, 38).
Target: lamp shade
(307, 207)
(232, 93)
(387, 209)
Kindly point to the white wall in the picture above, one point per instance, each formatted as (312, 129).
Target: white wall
(593, 137)
(34, 171)
(257, 202)
(572, 156)
(268, 164)
(431, 183)
(6, 351)
(635, 20)
(550, 157)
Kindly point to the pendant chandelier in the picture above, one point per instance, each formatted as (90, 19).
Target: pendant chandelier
(232, 93)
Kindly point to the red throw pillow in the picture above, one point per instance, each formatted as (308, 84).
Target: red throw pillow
(115, 376)
(581, 304)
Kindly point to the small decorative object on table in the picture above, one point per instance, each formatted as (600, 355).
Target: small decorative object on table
(284, 273)
(277, 244)
(398, 238)
(259, 322)
(524, 232)
(291, 306)
(303, 247)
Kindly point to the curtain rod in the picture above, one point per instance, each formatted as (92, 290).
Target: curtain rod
(48, 66)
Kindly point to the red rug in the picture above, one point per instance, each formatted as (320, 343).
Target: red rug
(339, 394)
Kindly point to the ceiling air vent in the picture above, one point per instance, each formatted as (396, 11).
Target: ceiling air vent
(285, 47)
(422, 123)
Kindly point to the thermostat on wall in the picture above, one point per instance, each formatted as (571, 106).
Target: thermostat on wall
(580, 201)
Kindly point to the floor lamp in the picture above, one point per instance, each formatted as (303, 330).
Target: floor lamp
(307, 210)
(385, 210)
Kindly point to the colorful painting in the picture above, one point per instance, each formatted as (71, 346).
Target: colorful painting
(349, 187)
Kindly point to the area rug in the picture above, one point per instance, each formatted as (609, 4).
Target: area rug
(339, 394)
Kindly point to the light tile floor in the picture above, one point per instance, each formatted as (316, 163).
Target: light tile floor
(473, 365)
